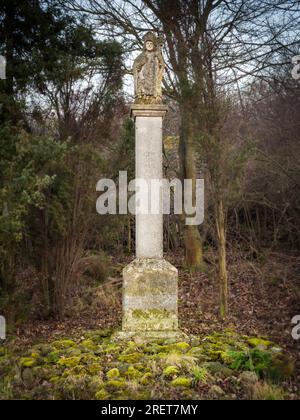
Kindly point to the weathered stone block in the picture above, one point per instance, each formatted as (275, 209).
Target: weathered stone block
(150, 296)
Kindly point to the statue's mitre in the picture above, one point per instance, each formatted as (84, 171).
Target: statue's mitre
(150, 36)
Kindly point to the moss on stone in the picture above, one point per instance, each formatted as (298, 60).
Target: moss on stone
(53, 357)
(182, 382)
(54, 379)
(94, 369)
(73, 369)
(132, 373)
(113, 374)
(45, 349)
(72, 351)
(89, 344)
(63, 344)
(199, 353)
(218, 369)
(102, 394)
(180, 360)
(147, 378)
(112, 348)
(150, 313)
(115, 384)
(259, 342)
(28, 362)
(130, 358)
(98, 335)
(181, 346)
(88, 358)
(170, 371)
(69, 362)
(3, 351)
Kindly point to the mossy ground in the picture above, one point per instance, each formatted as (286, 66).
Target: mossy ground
(219, 366)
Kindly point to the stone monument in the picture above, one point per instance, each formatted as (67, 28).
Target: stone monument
(149, 283)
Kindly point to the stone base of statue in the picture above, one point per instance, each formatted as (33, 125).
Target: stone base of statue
(150, 301)
(150, 296)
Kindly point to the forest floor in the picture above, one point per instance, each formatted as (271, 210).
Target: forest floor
(264, 297)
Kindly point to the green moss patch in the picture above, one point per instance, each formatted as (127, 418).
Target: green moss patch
(98, 368)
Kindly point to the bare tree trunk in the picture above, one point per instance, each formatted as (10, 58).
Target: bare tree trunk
(129, 244)
(192, 239)
(222, 265)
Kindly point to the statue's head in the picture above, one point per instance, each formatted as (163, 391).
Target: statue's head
(150, 42)
(149, 46)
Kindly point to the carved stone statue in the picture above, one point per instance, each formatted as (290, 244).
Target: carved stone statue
(148, 71)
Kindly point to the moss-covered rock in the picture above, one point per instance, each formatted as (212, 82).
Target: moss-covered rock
(130, 358)
(259, 342)
(69, 362)
(112, 348)
(218, 369)
(147, 378)
(115, 385)
(248, 379)
(94, 367)
(181, 346)
(113, 374)
(3, 351)
(28, 362)
(63, 344)
(133, 373)
(102, 394)
(28, 378)
(182, 382)
(89, 344)
(170, 371)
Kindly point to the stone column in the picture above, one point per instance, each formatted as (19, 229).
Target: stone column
(148, 163)
(149, 282)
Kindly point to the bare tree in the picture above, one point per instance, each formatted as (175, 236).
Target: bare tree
(212, 47)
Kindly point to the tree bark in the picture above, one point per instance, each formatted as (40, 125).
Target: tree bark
(192, 239)
(222, 265)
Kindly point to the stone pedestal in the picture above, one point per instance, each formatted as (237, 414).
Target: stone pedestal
(149, 283)
(150, 296)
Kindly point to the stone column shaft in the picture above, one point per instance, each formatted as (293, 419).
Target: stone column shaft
(149, 282)
(149, 227)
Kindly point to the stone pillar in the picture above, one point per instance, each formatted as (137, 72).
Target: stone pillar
(148, 163)
(149, 283)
